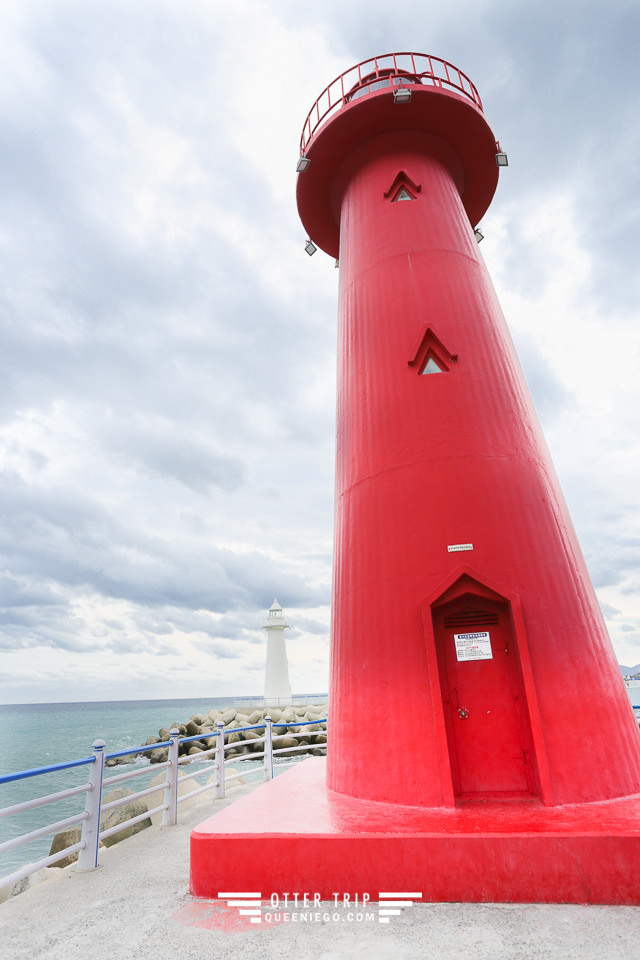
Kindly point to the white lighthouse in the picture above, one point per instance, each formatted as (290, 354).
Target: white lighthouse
(276, 682)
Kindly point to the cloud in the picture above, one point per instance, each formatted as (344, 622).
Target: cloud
(161, 449)
(167, 350)
(16, 592)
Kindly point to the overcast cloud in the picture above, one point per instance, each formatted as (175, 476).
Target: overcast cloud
(167, 349)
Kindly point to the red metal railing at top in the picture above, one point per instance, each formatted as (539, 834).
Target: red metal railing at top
(370, 74)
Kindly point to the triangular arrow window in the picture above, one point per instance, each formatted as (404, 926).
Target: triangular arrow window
(430, 355)
(402, 188)
(431, 366)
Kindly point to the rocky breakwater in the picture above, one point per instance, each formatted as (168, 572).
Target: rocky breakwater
(300, 730)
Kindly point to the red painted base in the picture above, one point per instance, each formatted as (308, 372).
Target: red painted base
(294, 835)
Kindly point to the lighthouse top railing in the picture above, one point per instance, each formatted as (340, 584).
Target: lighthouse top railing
(390, 69)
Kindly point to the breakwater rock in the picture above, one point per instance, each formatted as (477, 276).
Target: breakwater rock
(71, 835)
(299, 730)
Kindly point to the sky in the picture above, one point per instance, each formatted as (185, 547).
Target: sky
(167, 392)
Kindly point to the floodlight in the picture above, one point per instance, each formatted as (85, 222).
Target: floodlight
(403, 95)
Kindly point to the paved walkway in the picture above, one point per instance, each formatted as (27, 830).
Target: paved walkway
(136, 906)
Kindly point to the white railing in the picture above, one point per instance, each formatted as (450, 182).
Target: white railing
(88, 845)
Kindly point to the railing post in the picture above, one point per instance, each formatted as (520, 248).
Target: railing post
(170, 815)
(268, 749)
(88, 856)
(218, 783)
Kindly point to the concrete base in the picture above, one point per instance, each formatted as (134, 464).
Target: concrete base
(294, 835)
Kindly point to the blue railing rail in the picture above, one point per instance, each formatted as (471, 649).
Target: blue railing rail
(52, 768)
(88, 846)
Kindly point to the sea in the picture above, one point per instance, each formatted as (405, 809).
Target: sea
(39, 734)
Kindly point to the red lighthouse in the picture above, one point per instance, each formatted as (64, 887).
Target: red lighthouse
(480, 736)
(460, 593)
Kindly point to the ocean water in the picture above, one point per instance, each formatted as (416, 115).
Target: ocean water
(36, 735)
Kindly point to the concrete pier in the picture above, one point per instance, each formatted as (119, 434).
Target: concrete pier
(137, 905)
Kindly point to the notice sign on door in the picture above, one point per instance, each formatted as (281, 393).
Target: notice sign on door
(473, 646)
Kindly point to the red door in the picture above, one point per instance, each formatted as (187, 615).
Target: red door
(485, 712)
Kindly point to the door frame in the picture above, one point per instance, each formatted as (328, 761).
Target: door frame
(507, 695)
(466, 581)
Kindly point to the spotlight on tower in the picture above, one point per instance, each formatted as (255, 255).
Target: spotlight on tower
(403, 95)
(502, 159)
(478, 234)
(302, 164)
(310, 247)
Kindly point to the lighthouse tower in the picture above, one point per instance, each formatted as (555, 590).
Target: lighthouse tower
(276, 681)
(482, 746)
(460, 595)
